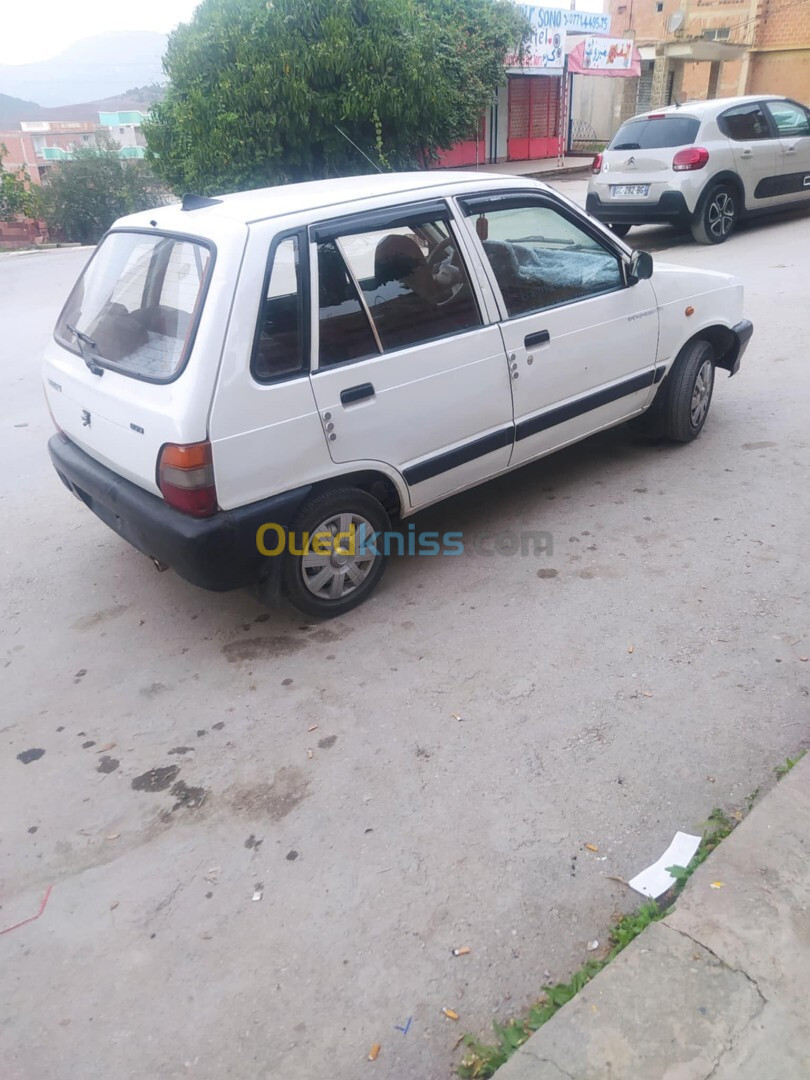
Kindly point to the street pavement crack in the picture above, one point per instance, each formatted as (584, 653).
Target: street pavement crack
(720, 960)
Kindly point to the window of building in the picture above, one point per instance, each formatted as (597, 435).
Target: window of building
(541, 258)
(391, 288)
(279, 348)
(659, 6)
(719, 33)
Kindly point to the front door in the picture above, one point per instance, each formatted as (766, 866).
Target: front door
(407, 373)
(581, 343)
(793, 159)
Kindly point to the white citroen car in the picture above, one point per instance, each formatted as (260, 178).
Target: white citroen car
(704, 164)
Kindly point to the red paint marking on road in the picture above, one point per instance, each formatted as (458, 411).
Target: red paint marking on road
(33, 918)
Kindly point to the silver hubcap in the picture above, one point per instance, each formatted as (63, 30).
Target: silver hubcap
(721, 214)
(702, 392)
(335, 560)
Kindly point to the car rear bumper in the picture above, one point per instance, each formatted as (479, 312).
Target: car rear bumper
(217, 553)
(671, 209)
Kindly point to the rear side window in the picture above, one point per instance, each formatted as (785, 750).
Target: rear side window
(136, 306)
(392, 288)
(655, 134)
(744, 123)
(279, 349)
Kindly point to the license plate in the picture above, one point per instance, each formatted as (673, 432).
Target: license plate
(624, 191)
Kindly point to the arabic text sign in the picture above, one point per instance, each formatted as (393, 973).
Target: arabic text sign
(607, 54)
(544, 51)
(576, 22)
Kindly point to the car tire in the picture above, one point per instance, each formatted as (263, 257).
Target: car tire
(620, 230)
(327, 585)
(680, 407)
(717, 215)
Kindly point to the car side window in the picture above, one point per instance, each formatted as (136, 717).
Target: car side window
(542, 258)
(791, 119)
(344, 329)
(278, 351)
(745, 123)
(412, 281)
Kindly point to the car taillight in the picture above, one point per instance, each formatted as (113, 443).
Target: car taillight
(186, 478)
(596, 167)
(693, 157)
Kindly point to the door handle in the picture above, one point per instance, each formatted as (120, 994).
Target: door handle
(790, 149)
(747, 153)
(356, 393)
(540, 338)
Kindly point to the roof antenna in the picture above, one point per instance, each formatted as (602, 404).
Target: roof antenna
(357, 148)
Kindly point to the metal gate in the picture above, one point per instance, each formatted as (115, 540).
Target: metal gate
(644, 97)
(534, 116)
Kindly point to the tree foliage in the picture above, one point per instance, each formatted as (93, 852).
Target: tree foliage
(83, 197)
(259, 87)
(16, 198)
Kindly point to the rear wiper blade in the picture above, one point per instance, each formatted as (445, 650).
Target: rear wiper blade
(84, 339)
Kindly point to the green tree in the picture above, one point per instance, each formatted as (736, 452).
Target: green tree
(83, 197)
(16, 197)
(259, 87)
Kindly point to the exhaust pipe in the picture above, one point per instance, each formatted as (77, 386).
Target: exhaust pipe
(161, 566)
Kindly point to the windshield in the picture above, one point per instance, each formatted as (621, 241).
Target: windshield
(135, 307)
(646, 134)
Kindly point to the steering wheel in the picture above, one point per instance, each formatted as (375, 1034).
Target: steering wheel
(453, 287)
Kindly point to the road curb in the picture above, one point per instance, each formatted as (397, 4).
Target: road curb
(716, 987)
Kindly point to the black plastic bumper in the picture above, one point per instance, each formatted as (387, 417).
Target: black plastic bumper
(217, 553)
(671, 209)
(742, 335)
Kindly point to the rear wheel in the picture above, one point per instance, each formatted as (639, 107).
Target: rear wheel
(717, 216)
(335, 564)
(620, 230)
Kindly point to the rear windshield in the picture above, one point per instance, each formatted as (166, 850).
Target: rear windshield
(644, 134)
(136, 306)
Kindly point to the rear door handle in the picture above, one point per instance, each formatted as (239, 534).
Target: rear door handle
(748, 152)
(356, 393)
(540, 338)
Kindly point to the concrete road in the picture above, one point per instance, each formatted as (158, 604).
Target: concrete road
(265, 837)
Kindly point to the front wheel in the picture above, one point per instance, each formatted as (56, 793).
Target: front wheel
(717, 217)
(687, 394)
(334, 557)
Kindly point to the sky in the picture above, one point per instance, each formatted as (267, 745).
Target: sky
(59, 24)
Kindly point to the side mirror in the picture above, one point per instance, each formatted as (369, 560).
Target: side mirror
(641, 266)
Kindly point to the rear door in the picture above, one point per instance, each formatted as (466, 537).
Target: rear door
(408, 372)
(754, 149)
(791, 181)
(120, 377)
(581, 342)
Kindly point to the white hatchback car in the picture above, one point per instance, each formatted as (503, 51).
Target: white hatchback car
(704, 164)
(251, 389)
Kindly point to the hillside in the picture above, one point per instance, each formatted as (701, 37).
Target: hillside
(91, 69)
(13, 110)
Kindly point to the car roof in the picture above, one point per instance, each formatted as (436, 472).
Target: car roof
(705, 110)
(347, 192)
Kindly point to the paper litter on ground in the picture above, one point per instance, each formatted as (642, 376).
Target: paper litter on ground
(654, 881)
